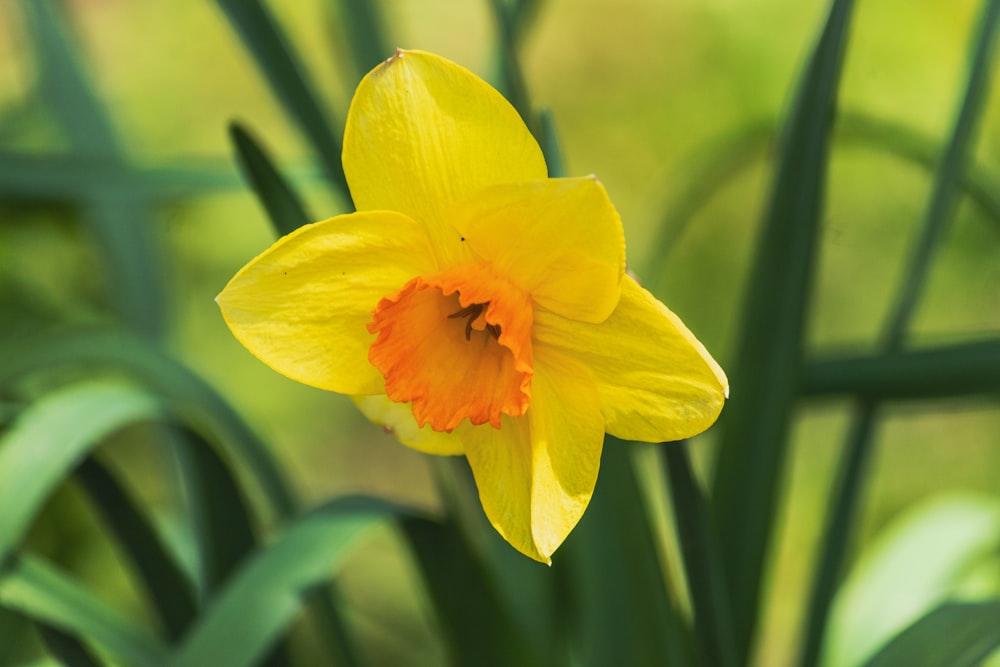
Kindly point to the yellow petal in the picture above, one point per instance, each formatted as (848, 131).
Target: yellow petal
(398, 418)
(656, 380)
(302, 305)
(560, 240)
(423, 132)
(536, 473)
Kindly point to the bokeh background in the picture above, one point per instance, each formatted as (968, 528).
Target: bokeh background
(650, 96)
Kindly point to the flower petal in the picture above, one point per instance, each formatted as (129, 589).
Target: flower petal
(656, 380)
(423, 132)
(560, 240)
(302, 305)
(536, 473)
(398, 418)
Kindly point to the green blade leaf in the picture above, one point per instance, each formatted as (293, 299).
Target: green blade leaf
(476, 623)
(953, 635)
(706, 582)
(765, 375)
(250, 612)
(613, 564)
(168, 588)
(284, 208)
(117, 220)
(42, 593)
(68, 650)
(858, 449)
(50, 437)
(965, 369)
(287, 77)
(185, 394)
(364, 31)
(76, 177)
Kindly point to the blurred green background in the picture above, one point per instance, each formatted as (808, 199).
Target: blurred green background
(645, 94)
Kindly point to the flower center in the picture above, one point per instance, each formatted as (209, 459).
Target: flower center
(473, 312)
(456, 345)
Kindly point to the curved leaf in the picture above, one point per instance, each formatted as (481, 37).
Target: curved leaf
(256, 604)
(953, 635)
(50, 437)
(38, 591)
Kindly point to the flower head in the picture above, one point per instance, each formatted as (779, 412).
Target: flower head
(474, 305)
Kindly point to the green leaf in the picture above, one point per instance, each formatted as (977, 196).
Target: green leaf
(284, 208)
(167, 586)
(706, 581)
(67, 649)
(40, 592)
(766, 372)
(118, 221)
(549, 141)
(364, 31)
(950, 371)
(250, 612)
(858, 450)
(74, 178)
(184, 394)
(50, 437)
(953, 635)
(889, 589)
(473, 616)
(617, 598)
(286, 76)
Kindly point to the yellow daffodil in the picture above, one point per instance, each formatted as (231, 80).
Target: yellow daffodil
(475, 306)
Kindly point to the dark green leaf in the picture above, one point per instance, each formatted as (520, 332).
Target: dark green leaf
(549, 142)
(965, 369)
(953, 635)
(169, 590)
(186, 395)
(365, 34)
(68, 650)
(770, 349)
(284, 208)
(117, 218)
(476, 623)
(618, 600)
(706, 581)
(286, 76)
(50, 437)
(40, 592)
(263, 596)
(858, 449)
(74, 178)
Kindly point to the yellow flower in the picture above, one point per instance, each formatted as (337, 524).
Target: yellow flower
(474, 305)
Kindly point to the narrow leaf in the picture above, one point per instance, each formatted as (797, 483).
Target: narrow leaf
(185, 394)
(476, 624)
(858, 449)
(168, 588)
(619, 601)
(50, 437)
(706, 581)
(964, 369)
(765, 376)
(32, 588)
(117, 219)
(284, 208)
(364, 30)
(251, 611)
(953, 635)
(288, 80)
(68, 650)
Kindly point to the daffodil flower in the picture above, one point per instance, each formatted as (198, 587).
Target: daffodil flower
(474, 306)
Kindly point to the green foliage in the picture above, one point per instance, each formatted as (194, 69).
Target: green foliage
(232, 566)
